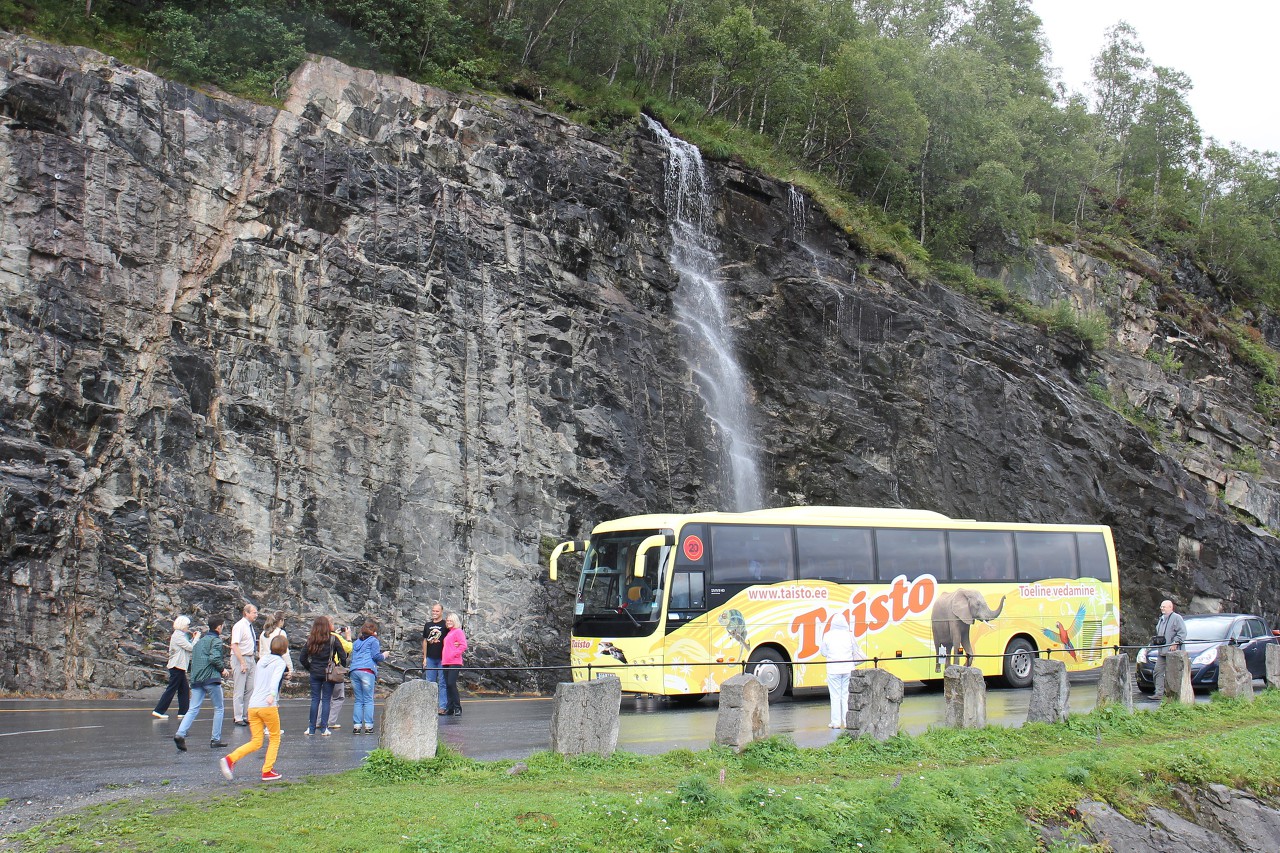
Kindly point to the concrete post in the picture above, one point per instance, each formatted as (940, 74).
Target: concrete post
(584, 716)
(1177, 678)
(875, 699)
(1115, 684)
(1234, 678)
(1273, 666)
(965, 697)
(1050, 692)
(410, 723)
(744, 712)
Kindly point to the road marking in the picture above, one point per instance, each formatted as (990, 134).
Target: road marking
(42, 731)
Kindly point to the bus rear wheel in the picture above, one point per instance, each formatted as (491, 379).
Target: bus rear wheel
(1017, 662)
(770, 666)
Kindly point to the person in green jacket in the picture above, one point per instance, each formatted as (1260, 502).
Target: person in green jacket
(208, 668)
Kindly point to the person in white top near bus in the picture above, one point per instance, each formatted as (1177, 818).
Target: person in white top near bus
(842, 652)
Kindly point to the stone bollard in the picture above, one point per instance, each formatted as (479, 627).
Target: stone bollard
(410, 723)
(1177, 678)
(584, 716)
(744, 712)
(1273, 666)
(1115, 684)
(965, 697)
(875, 698)
(1050, 692)
(1234, 678)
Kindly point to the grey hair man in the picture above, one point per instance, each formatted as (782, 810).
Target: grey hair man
(1171, 633)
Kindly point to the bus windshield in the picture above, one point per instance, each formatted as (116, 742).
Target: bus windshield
(609, 591)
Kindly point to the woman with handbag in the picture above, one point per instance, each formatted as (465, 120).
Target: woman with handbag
(455, 643)
(326, 661)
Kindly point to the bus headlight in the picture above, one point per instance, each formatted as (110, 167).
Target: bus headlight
(1206, 657)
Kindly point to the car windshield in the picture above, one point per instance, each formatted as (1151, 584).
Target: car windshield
(1208, 629)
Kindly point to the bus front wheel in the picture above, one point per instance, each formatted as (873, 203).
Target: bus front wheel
(770, 666)
(1017, 662)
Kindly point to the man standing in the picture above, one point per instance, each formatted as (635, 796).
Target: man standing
(433, 650)
(244, 643)
(1171, 633)
(340, 689)
(207, 672)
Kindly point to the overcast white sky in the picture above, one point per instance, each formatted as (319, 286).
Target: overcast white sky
(1228, 48)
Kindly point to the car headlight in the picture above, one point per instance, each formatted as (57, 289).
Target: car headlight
(1142, 655)
(1206, 657)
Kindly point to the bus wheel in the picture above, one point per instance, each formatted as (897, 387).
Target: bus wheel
(685, 699)
(771, 668)
(1017, 662)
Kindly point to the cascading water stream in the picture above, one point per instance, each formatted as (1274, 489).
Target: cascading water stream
(703, 316)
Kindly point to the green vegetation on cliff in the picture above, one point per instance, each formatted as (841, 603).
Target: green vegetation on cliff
(931, 129)
(944, 790)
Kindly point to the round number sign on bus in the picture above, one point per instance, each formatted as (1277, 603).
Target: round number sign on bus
(693, 548)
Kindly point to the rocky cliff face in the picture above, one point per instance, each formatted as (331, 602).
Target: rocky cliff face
(371, 349)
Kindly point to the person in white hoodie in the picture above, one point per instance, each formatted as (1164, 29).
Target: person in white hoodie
(843, 653)
(263, 713)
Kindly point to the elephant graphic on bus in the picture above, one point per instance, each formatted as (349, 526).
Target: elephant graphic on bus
(953, 615)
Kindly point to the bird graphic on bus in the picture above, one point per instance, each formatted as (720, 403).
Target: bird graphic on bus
(608, 648)
(1064, 636)
(735, 625)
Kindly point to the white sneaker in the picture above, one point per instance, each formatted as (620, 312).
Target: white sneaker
(326, 732)
(159, 716)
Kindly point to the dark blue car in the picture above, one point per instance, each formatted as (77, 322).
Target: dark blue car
(1205, 634)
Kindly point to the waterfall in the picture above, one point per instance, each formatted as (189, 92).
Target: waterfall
(796, 209)
(703, 317)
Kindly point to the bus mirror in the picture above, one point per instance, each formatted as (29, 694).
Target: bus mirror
(564, 548)
(658, 539)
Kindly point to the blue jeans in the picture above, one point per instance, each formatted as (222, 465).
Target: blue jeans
(198, 691)
(433, 672)
(321, 693)
(362, 683)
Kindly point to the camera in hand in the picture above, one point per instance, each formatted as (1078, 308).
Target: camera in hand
(1158, 640)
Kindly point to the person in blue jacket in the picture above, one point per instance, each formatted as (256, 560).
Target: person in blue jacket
(366, 654)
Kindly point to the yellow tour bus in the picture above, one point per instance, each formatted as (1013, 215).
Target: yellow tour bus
(676, 604)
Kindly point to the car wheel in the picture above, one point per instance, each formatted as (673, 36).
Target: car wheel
(1017, 662)
(770, 666)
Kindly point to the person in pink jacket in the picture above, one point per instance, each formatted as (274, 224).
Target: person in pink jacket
(455, 643)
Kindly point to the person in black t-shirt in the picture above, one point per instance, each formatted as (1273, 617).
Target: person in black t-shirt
(433, 650)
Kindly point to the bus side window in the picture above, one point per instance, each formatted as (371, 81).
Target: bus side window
(834, 554)
(1094, 562)
(980, 555)
(687, 591)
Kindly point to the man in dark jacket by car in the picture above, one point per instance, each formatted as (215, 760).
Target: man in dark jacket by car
(207, 671)
(1171, 633)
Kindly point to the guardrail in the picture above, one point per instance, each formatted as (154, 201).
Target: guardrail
(417, 672)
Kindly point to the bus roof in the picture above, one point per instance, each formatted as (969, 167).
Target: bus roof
(853, 516)
(780, 515)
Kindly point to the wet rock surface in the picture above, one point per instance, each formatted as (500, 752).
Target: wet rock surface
(377, 347)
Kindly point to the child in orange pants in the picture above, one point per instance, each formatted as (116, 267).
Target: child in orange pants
(264, 712)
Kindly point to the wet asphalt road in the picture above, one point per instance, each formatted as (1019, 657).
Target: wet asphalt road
(62, 754)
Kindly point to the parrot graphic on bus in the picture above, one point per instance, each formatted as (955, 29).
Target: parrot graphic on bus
(1061, 634)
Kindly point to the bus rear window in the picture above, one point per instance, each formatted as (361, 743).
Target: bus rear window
(1094, 562)
(835, 554)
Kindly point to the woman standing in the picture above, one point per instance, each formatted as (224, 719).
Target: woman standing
(180, 647)
(366, 654)
(455, 643)
(275, 628)
(321, 649)
(842, 652)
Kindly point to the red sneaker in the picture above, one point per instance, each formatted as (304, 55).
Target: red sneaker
(270, 776)
(225, 764)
